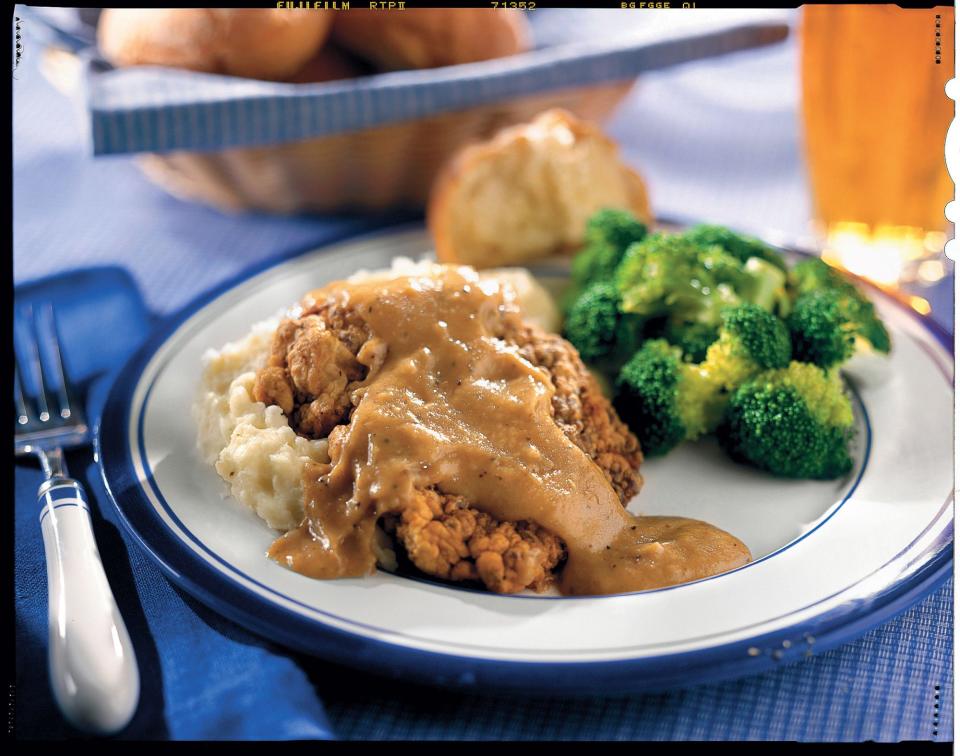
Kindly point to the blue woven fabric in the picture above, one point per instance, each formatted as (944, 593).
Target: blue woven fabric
(158, 109)
(883, 688)
(684, 130)
(201, 676)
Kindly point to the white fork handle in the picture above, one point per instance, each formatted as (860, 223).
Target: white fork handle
(93, 670)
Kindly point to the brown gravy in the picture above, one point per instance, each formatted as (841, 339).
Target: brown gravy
(453, 407)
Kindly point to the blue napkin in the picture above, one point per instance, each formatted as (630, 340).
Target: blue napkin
(202, 677)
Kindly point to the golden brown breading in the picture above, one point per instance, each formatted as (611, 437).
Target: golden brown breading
(272, 386)
(445, 537)
(308, 375)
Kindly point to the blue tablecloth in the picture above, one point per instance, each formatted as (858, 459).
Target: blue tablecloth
(685, 129)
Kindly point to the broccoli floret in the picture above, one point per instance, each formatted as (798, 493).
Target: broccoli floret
(768, 286)
(693, 338)
(598, 329)
(669, 275)
(616, 227)
(609, 233)
(751, 341)
(740, 246)
(671, 399)
(796, 422)
(873, 331)
(664, 399)
(822, 328)
(766, 266)
(815, 275)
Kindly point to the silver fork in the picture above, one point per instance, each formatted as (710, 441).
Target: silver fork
(93, 670)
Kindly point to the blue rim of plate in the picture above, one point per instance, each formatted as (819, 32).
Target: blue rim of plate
(753, 655)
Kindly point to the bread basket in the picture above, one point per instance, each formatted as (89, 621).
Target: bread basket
(371, 169)
(378, 141)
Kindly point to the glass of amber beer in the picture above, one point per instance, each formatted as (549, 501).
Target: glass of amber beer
(875, 119)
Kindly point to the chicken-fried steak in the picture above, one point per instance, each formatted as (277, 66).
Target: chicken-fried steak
(311, 374)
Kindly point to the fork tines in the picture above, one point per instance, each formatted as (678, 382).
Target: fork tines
(29, 365)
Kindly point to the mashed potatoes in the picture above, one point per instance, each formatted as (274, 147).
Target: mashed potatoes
(252, 446)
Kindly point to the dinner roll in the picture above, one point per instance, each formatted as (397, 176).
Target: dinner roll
(264, 43)
(527, 192)
(430, 37)
(329, 64)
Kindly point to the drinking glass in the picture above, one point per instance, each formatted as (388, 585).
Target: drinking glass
(875, 116)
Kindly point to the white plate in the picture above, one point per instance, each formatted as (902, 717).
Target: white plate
(830, 558)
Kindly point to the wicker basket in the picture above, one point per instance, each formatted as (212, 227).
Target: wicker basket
(389, 166)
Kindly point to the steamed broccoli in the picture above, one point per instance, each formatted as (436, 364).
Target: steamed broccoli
(668, 275)
(751, 340)
(664, 399)
(795, 422)
(813, 274)
(671, 275)
(671, 400)
(758, 258)
(740, 246)
(822, 328)
(609, 233)
(693, 338)
(854, 308)
(598, 329)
